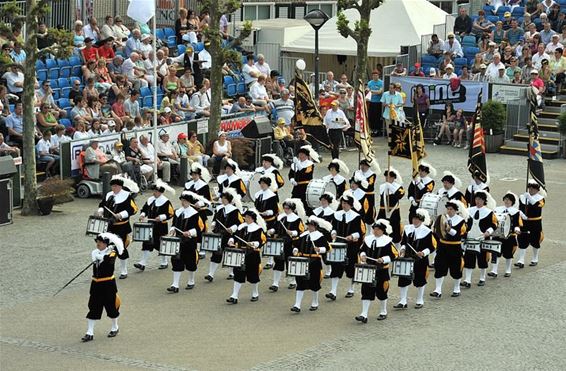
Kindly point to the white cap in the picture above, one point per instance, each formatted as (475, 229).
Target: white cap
(502, 67)
(145, 37)
(534, 71)
(432, 71)
(111, 123)
(167, 110)
(449, 66)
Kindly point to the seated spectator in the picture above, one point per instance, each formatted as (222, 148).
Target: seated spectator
(91, 29)
(15, 125)
(75, 92)
(481, 25)
(547, 77)
(447, 124)
(45, 95)
(6, 150)
(188, 81)
(80, 111)
(78, 36)
(115, 67)
(507, 21)
(513, 67)
(80, 131)
(14, 80)
(46, 118)
(196, 150)
(200, 101)
(460, 127)
(465, 74)
(145, 46)
(120, 111)
(167, 117)
(539, 56)
(170, 81)
(107, 29)
(558, 67)
(546, 33)
(250, 71)
(553, 45)
(95, 130)
(435, 46)
(166, 151)
(182, 107)
(399, 70)
(282, 132)
(453, 47)
(517, 78)
(121, 32)
(501, 77)
(527, 68)
(445, 62)
(418, 72)
(493, 67)
(106, 50)
(538, 84)
(221, 150)
(132, 105)
(135, 156)
(490, 52)
(433, 73)
(90, 90)
(59, 137)
(262, 66)
(135, 73)
(133, 44)
(284, 108)
(45, 155)
(89, 52)
(96, 162)
(242, 105)
(449, 72)
(148, 152)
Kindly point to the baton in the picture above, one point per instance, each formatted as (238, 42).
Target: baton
(74, 278)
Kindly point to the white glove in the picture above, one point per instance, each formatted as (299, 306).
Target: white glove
(231, 242)
(294, 233)
(200, 204)
(268, 213)
(100, 212)
(233, 229)
(333, 234)
(414, 203)
(213, 225)
(193, 232)
(362, 254)
(293, 182)
(517, 230)
(255, 244)
(295, 251)
(271, 232)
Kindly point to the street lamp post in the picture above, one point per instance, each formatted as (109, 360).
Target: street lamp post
(316, 18)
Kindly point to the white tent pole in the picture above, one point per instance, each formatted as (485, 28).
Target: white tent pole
(155, 94)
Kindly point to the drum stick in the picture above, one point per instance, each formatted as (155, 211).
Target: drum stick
(342, 238)
(415, 251)
(375, 260)
(111, 212)
(223, 226)
(233, 235)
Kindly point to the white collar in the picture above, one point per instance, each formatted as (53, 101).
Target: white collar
(227, 208)
(383, 187)
(158, 201)
(425, 180)
(100, 254)
(250, 227)
(289, 217)
(456, 219)
(477, 187)
(263, 170)
(420, 232)
(324, 211)
(196, 185)
(484, 211)
(337, 179)
(359, 194)
(187, 213)
(506, 210)
(450, 192)
(303, 164)
(379, 241)
(367, 174)
(350, 215)
(268, 193)
(119, 197)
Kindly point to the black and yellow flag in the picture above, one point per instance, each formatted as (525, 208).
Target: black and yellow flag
(400, 141)
(536, 168)
(477, 164)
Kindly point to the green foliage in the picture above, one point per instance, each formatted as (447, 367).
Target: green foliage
(494, 116)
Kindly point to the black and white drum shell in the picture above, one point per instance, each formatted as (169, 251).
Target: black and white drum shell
(472, 245)
(143, 232)
(503, 229)
(169, 246)
(337, 253)
(298, 266)
(403, 267)
(96, 225)
(491, 246)
(364, 273)
(211, 242)
(274, 247)
(233, 257)
(433, 203)
(316, 188)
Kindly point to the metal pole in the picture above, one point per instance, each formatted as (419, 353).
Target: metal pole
(155, 94)
(316, 84)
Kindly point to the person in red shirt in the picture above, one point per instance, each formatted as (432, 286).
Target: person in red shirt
(118, 109)
(536, 82)
(89, 52)
(105, 50)
(417, 72)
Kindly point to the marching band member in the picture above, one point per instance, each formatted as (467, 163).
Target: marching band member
(103, 290)
(481, 224)
(158, 209)
(301, 172)
(390, 193)
(312, 244)
(357, 186)
(200, 176)
(231, 179)
(476, 185)
(377, 250)
(251, 237)
(188, 226)
(508, 244)
(118, 205)
(272, 164)
(531, 204)
(451, 188)
(349, 227)
(418, 242)
(289, 226)
(369, 172)
(338, 173)
(267, 204)
(449, 252)
(421, 185)
(326, 210)
(228, 213)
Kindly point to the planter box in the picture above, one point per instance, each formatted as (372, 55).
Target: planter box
(494, 142)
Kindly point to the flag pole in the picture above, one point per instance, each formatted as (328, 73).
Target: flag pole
(155, 93)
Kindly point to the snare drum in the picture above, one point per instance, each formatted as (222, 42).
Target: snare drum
(297, 266)
(472, 245)
(503, 229)
(169, 246)
(233, 257)
(316, 188)
(491, 246)
(337, 253)
(246, 178)
(143, 232)
(254, 187)
(211, 242)
(364, 273)
(273, 247)
(403, 267)
(434, 204)
(96, 225)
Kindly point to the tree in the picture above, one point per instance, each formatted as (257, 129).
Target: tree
(61, 47)
(221, 54)
(360, 33)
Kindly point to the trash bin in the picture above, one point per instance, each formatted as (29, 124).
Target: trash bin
(7, 170)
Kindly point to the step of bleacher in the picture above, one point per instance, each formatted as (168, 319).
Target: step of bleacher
(559, 101)
(548, 125)
(514, 147)
(550, 108)
(545, 137)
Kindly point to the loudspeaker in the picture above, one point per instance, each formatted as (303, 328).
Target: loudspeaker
(258, 128)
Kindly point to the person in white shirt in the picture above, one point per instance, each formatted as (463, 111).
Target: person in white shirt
(336, 123)
(91, 29)
(493, 69)
(553, 45)
(501, 77)
(205, 57)
(250, 70)
(262, 66)
(449, 72)
(453, 46)
(259, 93)
(148, 152)
(200, 101)
(145, 46)
(166, 151)
(539, 56)
(44, 153)
(14, 80)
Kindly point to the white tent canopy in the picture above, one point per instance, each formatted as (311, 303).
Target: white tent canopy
(395, 23)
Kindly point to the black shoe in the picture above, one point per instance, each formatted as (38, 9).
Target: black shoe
(123, 276)
(292, 286)
(481, 283)
(254, 298)
(295, 309)
(209, 278)
(231, 300)
(268, 266)
(326, 276)
(492, 274)
(361, 319)
(465, 284)
(520, 265)
(381, 317)
(163, 266)
(434, 294)
(455, 294)
(349, 294)
(273, 288)
(312, 309)
(139, 266)
(400, 306)
(533, 264)
(173, 289)
(189, 287)
(230, 277)
(87, 338)
(431, 266)
(507, 275)
(330, 296)
(112, 334)
(419, 306)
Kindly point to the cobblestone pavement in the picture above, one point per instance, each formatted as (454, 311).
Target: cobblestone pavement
(511, 323)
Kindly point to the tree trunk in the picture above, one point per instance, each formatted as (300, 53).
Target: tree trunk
(360, 72)
(216, 78)
(30, 206)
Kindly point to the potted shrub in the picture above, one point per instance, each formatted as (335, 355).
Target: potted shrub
(53, 191)
(562, 129)
(494, 118)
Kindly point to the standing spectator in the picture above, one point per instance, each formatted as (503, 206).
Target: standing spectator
(540, 56)
(422, 103)
(336, 123)
(44, 153)
(132, 105)
(391, 101)
(345, 105)
(221, 150)
(463, 23)
(196, 150)
(375, 86)
(166, 151)
(453, 46)
(284, 108)
(181, 25)
(205, 58)
(435, 46)
(330, 81)
(250, 71)
(148, 151)
(262, 66)
(91, 29)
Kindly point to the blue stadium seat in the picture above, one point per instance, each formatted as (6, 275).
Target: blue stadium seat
(12, 107)
(168, 31)
(41, 75)
(492, 18)
(64, 68)
(469, 41)
(63, 82)
(459, 62)
(502, 10)
(230, 86)
(65, 92)
(429, 59)
(64, 103)
(471, 51)
(148, 101)
(488, 9)
(518, 11)
(181, 49)
(160, 34)
(72, 79)
(145, 91)
(171, 42)
(65, 122)
(241, 88)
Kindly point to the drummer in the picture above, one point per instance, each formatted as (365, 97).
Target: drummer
(531, 204)
(301, 173)
(200, 177)
(421, 185)
(451, 229)
(272, 164)
(377, 250)
(481, 224)
(477, 185)
(251, 237)
(231, 179)
(349, 227)
(326, 210)
(369, 170)
(289, 226)
(357, 186)
(418, 242)
(313, 245)
(390, 193)
(338, 173)
(118, 205)
(509, 243)
(157, 210)
(451, 188)
(227, 218)
(188, 226)
(267, 204)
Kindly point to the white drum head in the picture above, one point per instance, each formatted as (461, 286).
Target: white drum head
(253, 186)
(316, 188)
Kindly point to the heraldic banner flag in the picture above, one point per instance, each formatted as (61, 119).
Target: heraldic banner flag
(477, 163)
(536, 168)
(363, 136)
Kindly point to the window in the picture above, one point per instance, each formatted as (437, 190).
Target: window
(253, 12)
(250, 13)
(328, 8)
(263, 12)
